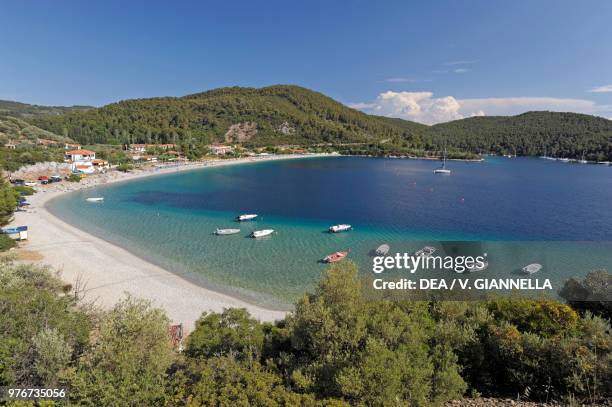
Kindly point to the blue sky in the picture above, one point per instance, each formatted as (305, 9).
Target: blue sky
(425, 61)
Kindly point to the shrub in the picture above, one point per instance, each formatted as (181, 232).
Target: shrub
(124, 167)
(24, 190)
(6, 243)
(74, 178)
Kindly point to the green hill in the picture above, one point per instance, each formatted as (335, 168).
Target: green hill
(285, 114)
(273, 115)
(531, 133)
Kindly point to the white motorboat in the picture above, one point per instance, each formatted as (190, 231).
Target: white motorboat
(98, 199)
(479, 267)
(340, 228)
(382, 250)
(425, 251)
(245, 217)
(223, 232)
(442, 170)
(262, 233)
(532, 268)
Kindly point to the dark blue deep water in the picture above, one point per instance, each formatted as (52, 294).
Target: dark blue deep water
(556, 213)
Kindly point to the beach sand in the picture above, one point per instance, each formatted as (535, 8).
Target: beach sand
(106, 272)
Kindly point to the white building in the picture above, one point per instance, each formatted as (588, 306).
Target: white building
(81, 160)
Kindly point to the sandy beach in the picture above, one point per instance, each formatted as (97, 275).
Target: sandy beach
(107, 272)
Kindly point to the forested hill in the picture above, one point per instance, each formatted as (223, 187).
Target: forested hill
(279, 114)
(285, 114)
(531, 133)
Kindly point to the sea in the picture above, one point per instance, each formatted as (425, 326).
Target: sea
(515, 211)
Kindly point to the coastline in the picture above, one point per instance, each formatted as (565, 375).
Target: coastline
(106, 272)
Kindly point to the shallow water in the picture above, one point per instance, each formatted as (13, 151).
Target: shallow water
(525, 210)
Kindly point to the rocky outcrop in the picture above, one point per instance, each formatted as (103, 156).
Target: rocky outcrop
(286, 128)
(241, 132)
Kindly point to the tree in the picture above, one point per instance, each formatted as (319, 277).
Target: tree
(231, 332)
(8, 202)
(129, 358)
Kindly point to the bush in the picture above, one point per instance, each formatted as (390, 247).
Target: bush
(74, 178)
(24, 190)
(6, 243)
(124, 167)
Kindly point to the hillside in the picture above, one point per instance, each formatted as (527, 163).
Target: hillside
(18, 131)
(285, 114)
(273, 115)
(531, 133)
(18, 109)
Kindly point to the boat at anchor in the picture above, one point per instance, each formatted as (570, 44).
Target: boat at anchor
(245, 217)
(532, 268)
(223, 232)
(340, 228)
(262, 233)
(335, 257)
(97, 199)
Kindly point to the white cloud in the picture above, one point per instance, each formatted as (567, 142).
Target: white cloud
(423, 107)
(601, 89)
(461, 70)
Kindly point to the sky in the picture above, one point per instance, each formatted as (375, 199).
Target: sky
(427, 61)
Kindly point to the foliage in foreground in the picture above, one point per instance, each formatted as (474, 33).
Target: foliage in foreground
(336, 349)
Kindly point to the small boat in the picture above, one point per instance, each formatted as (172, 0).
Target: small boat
(98, 199)
(425, 251)
(245, 217)
(335, 257)
(479, 267)
(582, 160)
(532, 268)
(262, 233)
(223, 232)
(340, 228)
(382, 250)
(442, 170)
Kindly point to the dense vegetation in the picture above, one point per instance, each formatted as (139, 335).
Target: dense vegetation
(533, 133)
(8, 201)
(13, 159)
(336, 349)
(285, 114)
(19, 131)
(282, 115)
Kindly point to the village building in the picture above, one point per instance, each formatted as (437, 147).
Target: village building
(79, 155)
(100, 164)
(81, 160)
(220, 149)
(70, 146)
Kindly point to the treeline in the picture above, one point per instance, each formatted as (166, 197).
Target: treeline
(335, 349)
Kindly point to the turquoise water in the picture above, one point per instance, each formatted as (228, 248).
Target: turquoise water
(522, 210)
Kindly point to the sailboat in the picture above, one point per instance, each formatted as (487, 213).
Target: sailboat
(583, 161)
(442, 170)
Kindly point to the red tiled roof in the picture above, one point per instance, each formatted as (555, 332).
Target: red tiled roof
(81, 152)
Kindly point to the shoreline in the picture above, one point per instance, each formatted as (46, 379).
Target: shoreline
(107, 272)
